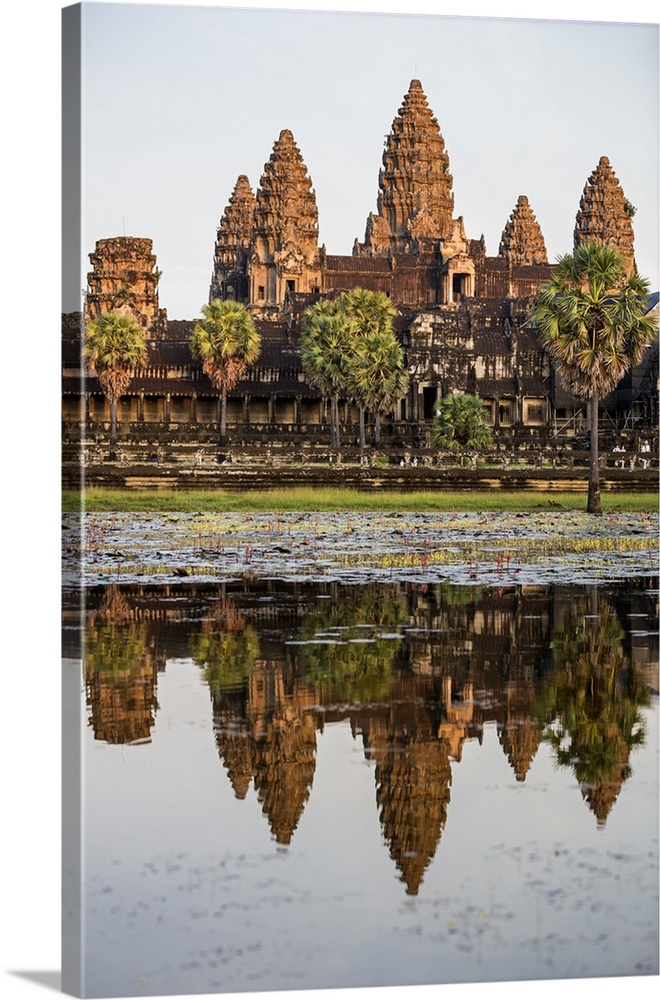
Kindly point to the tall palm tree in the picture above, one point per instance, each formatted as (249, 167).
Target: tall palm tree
(378, 377)
(115, 348)
(373, 311)
(326, 342)
(593, 322)
(227, 342)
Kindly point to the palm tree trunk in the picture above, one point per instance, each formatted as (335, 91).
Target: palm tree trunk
(223, 416)
(334, 406)
(113, 421)
(593, 496)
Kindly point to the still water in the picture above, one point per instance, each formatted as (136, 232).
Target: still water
(299, 786)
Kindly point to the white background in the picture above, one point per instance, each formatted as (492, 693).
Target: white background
(30, 727)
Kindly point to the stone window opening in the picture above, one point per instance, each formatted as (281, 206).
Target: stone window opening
(430, 398)
(534, 412)
(261, 293)
(460, 286)
(290, 285)
(505, 412)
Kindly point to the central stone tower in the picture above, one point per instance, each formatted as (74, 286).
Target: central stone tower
(415, 199)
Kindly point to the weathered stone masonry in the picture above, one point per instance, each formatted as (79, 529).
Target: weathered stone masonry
(464, 316)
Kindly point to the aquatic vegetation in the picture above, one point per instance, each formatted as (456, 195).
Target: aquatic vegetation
(429, 548)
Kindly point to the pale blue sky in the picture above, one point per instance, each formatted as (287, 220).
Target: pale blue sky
(179, 100)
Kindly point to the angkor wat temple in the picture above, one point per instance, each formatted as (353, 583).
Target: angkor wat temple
(464, 317)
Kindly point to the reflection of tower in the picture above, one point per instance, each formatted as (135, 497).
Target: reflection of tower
(123, 701)
(458, 714)
(232, 737)
(284, 734)
(520, 733)
(413, 777)
(267, 732)
(121, 672)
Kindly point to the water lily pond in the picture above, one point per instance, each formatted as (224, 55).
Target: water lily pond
(356, 548)
(314, 761)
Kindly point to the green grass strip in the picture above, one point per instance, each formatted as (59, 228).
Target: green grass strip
(322, 499)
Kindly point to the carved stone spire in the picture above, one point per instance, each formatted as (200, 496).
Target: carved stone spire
(415, 200)
(522, 240)
(125, 279)
(232, 245)
(605, 215)
(286, 230)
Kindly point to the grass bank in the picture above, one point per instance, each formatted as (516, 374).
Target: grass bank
(98, 500)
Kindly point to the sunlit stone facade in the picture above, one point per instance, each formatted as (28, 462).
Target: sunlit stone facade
(464, 317)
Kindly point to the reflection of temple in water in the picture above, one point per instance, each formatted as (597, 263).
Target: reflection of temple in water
(123, 706)
(121, 670)
(267, 734)
(459, 659)
(412, 774)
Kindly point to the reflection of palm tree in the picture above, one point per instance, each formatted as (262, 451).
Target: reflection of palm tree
(120, 673)
(595, 695)
(354, 663)
(226, 648)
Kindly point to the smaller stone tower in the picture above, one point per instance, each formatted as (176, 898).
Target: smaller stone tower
(285, 253)
(605, 214)
(232, 246)
(522, 240)
(125, 279)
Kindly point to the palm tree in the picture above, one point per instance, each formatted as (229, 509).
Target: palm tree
(373, 311)
(116, 348)
(593, 322)
(227, 342)
(460, 423)
(326, 341)
(377, 375)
